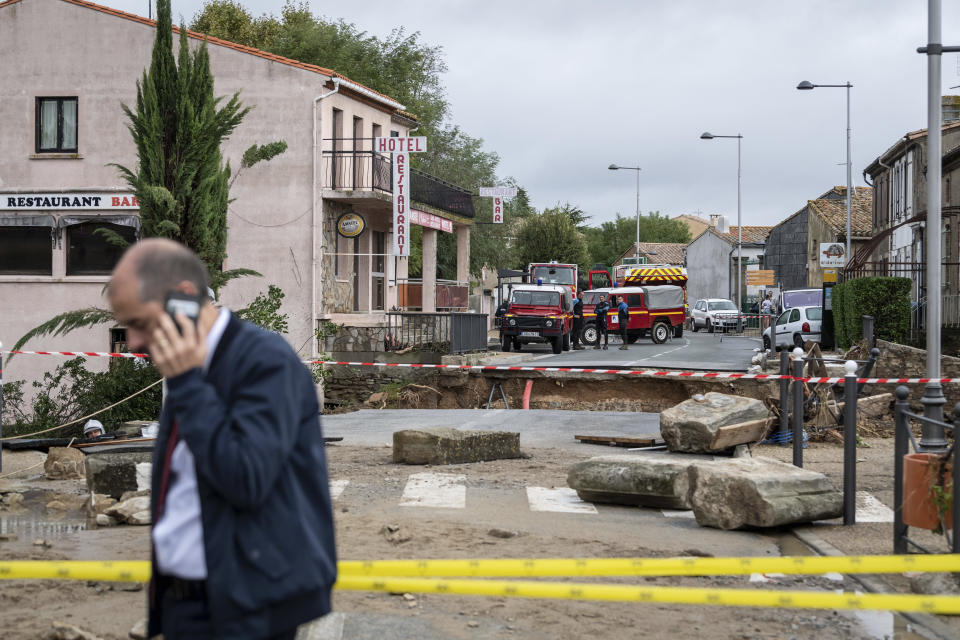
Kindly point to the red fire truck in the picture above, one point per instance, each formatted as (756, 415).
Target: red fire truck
(554, 273)
(657, 310)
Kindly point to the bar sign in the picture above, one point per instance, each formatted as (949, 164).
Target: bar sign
(497, 210)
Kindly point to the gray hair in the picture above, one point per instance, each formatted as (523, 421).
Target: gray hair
(160, 268)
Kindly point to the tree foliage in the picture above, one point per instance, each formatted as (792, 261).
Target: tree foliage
(551, 235)
(71, 392)
(178, 126)
(264, 311)
(608, 241)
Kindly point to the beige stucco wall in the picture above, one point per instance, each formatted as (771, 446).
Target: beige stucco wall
(54, 48)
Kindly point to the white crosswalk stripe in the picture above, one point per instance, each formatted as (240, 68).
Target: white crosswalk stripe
(558, 500)
(869, 509)
(438, 490)
(337, 487)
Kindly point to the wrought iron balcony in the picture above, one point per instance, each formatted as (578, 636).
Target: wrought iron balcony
(368, 171)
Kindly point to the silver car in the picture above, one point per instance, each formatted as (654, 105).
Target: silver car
(715, 314)
(794, 327)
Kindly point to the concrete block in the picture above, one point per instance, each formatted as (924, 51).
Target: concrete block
(115, 472)
(450, 446)
(692, 425)
(759, 492)
(648, 479)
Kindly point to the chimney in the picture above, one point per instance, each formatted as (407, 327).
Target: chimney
(951, 108)
(714, 219)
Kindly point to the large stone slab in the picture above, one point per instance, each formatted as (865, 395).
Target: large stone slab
(63, 463)
(113, 473)
(759, 492)
(692, 425)
(648, 480)
(450, 446)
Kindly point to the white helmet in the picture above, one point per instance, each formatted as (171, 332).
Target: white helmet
(93, 425)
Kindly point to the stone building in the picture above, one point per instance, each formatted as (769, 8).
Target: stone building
(899, 212)
(793, 246)
(69, 65)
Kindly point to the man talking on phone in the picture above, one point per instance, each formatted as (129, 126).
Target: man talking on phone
(243, 540)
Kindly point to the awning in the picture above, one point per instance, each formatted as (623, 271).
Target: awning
(124, 221)
(28, 221)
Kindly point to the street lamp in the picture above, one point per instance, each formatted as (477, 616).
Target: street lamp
(706, 135)
(806, 85)
(613, 167)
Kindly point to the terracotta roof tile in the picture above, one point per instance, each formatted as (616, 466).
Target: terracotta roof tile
(834, 213)
(223, 43)
(752, 234)
(658, 252)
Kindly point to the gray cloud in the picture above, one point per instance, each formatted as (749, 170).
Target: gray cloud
(562, 89)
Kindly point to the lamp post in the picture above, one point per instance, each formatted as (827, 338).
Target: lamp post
(636, 247)
(706, 135)
(806, 85)
(933, 438)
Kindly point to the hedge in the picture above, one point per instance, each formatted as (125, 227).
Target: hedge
(886, 299)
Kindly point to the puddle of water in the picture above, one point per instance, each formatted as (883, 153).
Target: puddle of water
(32, 525)
(882, 625)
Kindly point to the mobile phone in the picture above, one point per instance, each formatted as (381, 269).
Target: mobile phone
(189, 305)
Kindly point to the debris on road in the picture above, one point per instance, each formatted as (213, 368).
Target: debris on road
(451, 446)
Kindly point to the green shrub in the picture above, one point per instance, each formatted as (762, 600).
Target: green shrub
(886, 299)
(71, 391)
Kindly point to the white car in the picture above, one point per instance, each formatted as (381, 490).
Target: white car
(794, 327)
(715, 313)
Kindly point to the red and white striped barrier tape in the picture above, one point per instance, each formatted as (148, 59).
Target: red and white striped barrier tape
(84, 354)
(490, 367)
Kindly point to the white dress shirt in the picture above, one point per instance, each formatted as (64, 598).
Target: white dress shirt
(178, 535)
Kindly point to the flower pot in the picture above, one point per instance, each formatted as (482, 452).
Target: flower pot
(921, 473)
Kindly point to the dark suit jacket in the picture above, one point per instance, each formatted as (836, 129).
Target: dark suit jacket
(252, 424)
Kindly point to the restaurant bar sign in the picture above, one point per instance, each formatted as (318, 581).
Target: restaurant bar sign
(351, 225)
(74, 201)
(430, 221)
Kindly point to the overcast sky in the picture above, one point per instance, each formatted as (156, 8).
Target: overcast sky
(562, 89)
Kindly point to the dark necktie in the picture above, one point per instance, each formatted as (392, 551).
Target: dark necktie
(165, 478)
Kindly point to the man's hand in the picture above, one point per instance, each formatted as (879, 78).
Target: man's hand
(174, 353)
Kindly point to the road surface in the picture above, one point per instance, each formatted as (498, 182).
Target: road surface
(696, 351)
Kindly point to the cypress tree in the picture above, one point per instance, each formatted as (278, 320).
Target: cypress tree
(178, 126)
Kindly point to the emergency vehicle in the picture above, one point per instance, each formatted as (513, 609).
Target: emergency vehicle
(631, 275)
(537, 313)
(657, 310)
(554, 273)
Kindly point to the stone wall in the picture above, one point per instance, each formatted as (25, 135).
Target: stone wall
(351, 386)
(337, 296)
(901, 361)
(355, 339)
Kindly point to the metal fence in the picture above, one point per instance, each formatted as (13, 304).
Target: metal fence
(453, 333)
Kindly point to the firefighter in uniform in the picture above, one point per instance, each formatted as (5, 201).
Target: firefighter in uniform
(577, 323)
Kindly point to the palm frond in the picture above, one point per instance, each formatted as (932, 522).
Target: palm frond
(219, 279)
(65, 323)
(112, 237)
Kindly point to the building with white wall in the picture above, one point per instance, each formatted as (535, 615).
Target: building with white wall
(69, 65)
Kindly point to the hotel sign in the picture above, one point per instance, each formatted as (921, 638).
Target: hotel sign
(401, 148)
(73, 201)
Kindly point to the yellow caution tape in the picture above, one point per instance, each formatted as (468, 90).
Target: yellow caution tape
(129, 571)
(139, 571)
(563, 567)
(674, 595)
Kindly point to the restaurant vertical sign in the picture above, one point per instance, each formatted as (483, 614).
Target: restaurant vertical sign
(498, 194)
(401, 148)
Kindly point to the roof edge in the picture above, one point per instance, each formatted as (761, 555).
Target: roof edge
(330, 73)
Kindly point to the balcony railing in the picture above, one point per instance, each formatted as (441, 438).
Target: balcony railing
(371, 171)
